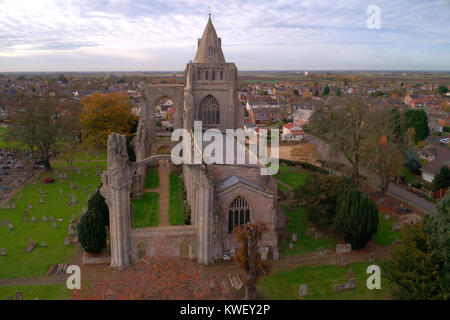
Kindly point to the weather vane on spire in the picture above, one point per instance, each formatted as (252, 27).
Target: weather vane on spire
(209, 9)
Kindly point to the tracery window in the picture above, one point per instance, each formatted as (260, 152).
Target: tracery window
(238, 214)
(208, 111)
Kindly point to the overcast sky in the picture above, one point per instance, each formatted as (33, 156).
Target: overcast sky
(129, 35)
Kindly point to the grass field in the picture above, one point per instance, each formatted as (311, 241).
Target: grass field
(43, 292)
(8, 145)
(284, 285)
(298, 223)
(176, 200)
(152, 179)
(17, 263)
(291, 176)
(385, 236)
(146, 210)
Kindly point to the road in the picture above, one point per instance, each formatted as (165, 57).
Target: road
(394, 190)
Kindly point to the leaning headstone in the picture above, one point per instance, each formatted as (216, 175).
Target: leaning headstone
(303, 290)
(3, 251)
(371, 257)
(294, 237)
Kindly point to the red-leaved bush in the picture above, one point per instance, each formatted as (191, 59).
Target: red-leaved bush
(48, 180)
(156, 278)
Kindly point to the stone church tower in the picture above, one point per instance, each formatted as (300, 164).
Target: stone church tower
(211, 86)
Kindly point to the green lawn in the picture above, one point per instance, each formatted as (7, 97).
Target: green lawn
(8, 145)
(43, 292)
(176, 200)
(385, 236)
(146, 210)
(408, 175)
(298, 223)
(283, 188)
(36, 263)
(152, 179)
(84, 155)
(291, 176)
(284, 285)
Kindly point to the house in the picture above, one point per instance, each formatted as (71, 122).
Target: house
(437, 157)
(261, 115)
(292, 132)
(301, 117)
(437, 121)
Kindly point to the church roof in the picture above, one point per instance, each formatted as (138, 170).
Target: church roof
(209, 46)
(231, 181)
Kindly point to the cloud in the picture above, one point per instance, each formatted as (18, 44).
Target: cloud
(257, 34)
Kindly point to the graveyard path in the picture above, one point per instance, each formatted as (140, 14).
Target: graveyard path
(164, 170)
(13, 193)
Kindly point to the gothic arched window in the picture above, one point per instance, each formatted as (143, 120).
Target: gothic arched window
(208, 111)
(213, 75)
(199, 75)
(206, 75)
(238, 214)
(221, 75)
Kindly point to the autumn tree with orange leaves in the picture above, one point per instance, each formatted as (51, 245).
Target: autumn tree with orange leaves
(156, 278)
(248, 257)
(103, 114)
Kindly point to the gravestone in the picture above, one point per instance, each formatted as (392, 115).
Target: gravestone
(31, 245)
(19, 295)
(61, 191)
(40, 191)
(303, 290)
(41, 201)
(232, 251)
(30, 206)
(3, 251)
(44, 218)
(89, 196)
(318, 235)
(343, 248)
(351, 284)
(44, 245)
(73, 202)
(10, 226)
(54, 225)
(387, 216)
(52, 219)
(275, 255)
(294, 237)
(350, 273)
(13, 204)
(66, 241)
(86, 190)
(20, 196)
(85, 174)
(84, 209)
(33, 219)
(344, 261)
(371, 257)
(322, 251)
(291, 245)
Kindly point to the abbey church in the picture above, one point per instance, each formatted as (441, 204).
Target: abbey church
(220, 196)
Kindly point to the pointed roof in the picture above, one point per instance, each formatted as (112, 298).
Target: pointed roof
(209, 40)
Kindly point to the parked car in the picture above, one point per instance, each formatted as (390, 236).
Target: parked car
(445, 140)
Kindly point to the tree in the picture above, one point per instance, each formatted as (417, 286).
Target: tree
(41, 123)
(103, 114)
(156, 278)
(418, 119)
(92, 232)
(412, 161)
(438, 227)
(319, 196)
(356, 218)
(397, 125)
(345, 129)
(326, 90)
(412, 269)
(442, 90)
(247, 256)
(442, 178)
(98, 205)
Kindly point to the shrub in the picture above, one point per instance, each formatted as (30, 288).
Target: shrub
(98, 204)
(91, 232)
(442, 179)
(412, 161)
(356, 218)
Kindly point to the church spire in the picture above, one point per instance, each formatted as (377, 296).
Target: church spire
(209, 46)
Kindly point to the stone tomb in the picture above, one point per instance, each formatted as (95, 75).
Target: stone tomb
(351, 284)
